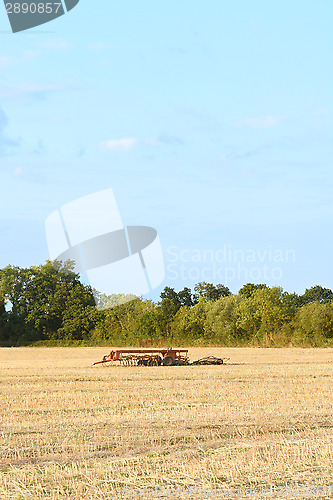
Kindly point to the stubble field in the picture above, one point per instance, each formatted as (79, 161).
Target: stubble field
(258, 426)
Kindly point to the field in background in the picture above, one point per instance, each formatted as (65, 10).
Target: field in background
(70, 430)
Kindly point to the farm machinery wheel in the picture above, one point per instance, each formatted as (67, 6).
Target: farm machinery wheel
(153, 362)
(168, 361)
(143, 362)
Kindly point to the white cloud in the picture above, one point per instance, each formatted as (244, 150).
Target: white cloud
(125, 144)
(27, 175)
(5, 62)
(322, 112)
(28, 55)
(129, 143)
(18, 172)
(266, 122)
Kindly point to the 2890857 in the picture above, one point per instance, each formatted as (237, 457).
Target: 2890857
(33, 8)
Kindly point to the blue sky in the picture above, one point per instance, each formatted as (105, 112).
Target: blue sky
(212, 122)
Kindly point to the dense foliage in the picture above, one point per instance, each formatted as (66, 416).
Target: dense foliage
(49, 304)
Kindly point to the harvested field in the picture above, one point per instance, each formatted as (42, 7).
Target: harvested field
(262, 422)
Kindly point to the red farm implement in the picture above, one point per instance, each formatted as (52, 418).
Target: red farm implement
(147, 357)
(156, 357)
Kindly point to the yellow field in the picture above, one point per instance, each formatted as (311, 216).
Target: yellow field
(70, 430)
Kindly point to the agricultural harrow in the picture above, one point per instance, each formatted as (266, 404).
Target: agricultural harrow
(156, 357)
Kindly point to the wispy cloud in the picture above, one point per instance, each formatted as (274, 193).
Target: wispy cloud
(265, 122)
(40, 49)
(40, 147)
(81, 152)
(30, 91)
(126, 144)
(27, 175)
(18, 172)
(239, 155)
(5, 62)
(3, 123)
(129, 143)
(5, 142)
(28, 55)
(169, 139)
(322, 112)
(55, 44)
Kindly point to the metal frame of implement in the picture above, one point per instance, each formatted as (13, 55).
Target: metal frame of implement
(147, 357)
(156, 357)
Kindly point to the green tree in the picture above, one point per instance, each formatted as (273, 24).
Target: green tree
(38, 299)
(166, 310)
(132, 323)
(261, 316)
(222, 320)
(190, 326)
(171, 299)
(313, 323)
(3, 321)
(317, 294)
(108, 301)
(210, 292)
(290, 303)
(248, 289)
(185, 297)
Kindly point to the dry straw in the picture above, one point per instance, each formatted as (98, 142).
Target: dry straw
(70, 430)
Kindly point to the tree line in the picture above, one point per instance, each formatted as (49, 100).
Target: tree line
(48, 304)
